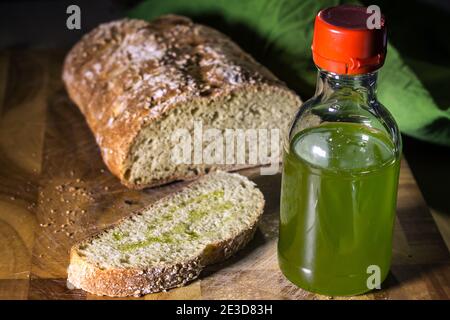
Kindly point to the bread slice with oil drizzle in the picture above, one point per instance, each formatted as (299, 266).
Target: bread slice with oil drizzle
(168, 243)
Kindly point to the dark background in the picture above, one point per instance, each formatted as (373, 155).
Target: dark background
(416, 28)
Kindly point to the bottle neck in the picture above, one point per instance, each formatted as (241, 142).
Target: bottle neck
(361, 87)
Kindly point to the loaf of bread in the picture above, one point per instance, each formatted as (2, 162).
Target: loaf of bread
(168, 243)
(136, 82)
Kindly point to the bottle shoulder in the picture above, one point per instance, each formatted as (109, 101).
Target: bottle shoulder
(348, 108)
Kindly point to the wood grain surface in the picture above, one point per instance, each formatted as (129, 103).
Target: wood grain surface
(55, 190)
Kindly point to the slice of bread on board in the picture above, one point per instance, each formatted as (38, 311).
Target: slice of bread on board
(168, 243)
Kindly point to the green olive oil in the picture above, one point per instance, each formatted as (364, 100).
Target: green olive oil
(339, 191)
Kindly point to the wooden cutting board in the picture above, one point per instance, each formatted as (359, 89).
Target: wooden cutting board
(55, 190)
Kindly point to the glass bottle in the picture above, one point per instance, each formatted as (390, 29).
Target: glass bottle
(341, 165)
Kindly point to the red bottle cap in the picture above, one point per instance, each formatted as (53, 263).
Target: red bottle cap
(343, 43)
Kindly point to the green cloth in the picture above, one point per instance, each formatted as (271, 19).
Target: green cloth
(278, 34)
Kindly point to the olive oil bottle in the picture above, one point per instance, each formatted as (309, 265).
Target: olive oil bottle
(341, 165)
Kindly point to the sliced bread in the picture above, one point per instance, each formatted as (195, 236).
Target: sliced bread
(168, 243)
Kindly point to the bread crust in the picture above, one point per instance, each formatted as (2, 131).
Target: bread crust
(126, 74)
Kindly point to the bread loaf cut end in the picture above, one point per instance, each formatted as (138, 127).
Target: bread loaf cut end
(151, 158)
